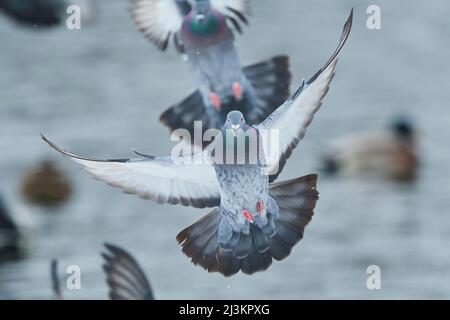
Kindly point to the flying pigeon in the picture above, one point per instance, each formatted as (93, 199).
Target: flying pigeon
(44, 13)
(254, 220)
(203, 31)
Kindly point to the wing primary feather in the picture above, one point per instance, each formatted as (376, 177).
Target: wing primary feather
(147, 156)
(69, 154)
(235, 24)
(302, 106)
(344, 36)
(239, 14)
(299, 90)
(154, 178)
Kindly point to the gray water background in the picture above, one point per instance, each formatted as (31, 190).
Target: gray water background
(99, 92)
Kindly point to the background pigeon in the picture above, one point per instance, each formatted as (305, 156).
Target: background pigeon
(124, 276)
(44, 13)
(55, 280)
(202, 30)
(9, 233)
(254, 221)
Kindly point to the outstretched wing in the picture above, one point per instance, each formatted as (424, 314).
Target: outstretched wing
(159, 20)
(125, 278)
(158, 179)
(236, 11)
(293, 117)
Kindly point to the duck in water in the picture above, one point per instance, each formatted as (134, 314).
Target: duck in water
(390, 154)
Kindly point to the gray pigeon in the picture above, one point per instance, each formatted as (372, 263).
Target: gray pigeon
(202, 30)
(255, 220)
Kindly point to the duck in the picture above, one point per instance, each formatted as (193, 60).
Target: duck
(46, 184)
(391, 153)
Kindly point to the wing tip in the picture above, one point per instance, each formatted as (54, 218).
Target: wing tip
(54, 146)
(147, 156)
(348, 24)
(333, 60)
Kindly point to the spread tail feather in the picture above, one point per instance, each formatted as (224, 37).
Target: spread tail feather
(271, 80)
(252, 252)
(296, 201)
(199, 241)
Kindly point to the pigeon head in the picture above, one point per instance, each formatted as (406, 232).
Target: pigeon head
(241, 142)
(202, 11)
(235, 121)
(203, 20)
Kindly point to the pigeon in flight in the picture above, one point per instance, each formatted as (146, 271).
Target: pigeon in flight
(203, 31)
(254, 220)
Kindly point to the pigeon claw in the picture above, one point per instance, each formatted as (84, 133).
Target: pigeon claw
(247, 215)
(260, 206)
(215, 100)
(237, 90)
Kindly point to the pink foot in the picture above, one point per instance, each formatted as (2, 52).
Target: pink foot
(260, 206)
(237, 90)
(248, 216)
(215, 100)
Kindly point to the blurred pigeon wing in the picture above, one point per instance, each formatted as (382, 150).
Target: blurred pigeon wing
(124, 276)
(293, 117)
(233, 6)
(236, 11)
(158, 179)
(158, 20)
(56, 286)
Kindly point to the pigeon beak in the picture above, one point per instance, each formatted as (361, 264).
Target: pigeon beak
(235, 128)
(200, 17)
